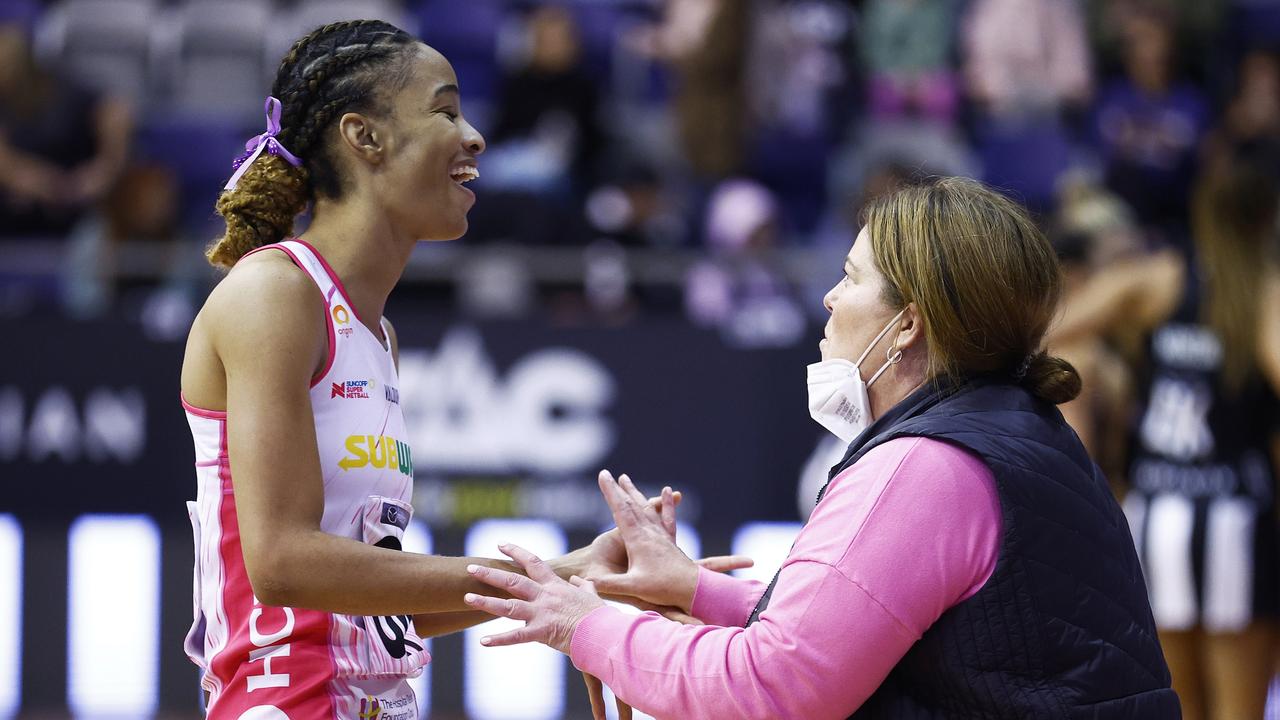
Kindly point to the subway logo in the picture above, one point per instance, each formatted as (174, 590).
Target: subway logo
(379, 451)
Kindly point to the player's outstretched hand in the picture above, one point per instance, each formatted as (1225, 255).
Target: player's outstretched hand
(550, 607)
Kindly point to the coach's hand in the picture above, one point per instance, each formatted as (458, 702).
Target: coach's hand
(607, 555)
(657, 571)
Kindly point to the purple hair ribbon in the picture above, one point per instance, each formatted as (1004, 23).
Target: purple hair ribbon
(266, 141)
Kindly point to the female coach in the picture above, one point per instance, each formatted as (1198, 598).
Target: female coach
(966, 558)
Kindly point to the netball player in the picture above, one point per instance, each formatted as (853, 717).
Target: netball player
(1205, 452)
(305, 608)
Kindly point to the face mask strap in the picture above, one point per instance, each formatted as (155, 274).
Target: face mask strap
(892, 356)
(872, 346)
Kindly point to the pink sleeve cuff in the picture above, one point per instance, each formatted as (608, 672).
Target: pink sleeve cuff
(724, 600)
(595, 635)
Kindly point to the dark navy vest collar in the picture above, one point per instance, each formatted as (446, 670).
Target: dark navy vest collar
(917, 403)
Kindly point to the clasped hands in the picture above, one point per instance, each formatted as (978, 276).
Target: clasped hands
(637, 563)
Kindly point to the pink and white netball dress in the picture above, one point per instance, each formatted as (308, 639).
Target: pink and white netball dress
(274, 663)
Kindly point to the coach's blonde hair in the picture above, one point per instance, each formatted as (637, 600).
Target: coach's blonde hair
(983, 277)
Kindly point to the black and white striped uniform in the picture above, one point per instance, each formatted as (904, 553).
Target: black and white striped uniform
(1202, 506)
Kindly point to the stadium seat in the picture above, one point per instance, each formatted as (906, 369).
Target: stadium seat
(219, 56)
(291, 24)
(200, 151)
(467, 34)
(104, 43)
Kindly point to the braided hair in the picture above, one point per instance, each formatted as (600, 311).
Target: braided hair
(351, 66)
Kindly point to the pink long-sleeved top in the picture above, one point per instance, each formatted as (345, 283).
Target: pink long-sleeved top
(909, 531)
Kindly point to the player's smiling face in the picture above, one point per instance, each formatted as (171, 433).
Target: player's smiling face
(434, 151)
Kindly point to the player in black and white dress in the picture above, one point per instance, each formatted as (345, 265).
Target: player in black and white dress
(1206, 444)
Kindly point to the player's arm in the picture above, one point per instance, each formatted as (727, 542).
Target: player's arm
(1269, 330)
(1269, 346)
(429, 625)
(266, 321)
(438, 623)
(1138, 293)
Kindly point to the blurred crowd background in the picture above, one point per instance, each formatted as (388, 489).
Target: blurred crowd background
(704, 157)
(688, 172)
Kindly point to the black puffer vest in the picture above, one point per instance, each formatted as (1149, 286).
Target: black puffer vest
(1062, 629)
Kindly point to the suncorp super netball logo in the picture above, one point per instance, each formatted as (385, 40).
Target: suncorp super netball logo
(380, 451)
(351, 389)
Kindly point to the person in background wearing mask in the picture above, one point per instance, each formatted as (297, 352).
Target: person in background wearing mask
(966, 559)
(1206, 446)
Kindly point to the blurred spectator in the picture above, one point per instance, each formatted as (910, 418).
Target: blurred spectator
(1148, 125)
(740, 289)
(546, 137)
(1026, 66)
(635, 209)
(61, 145)
(1199, 26)
(1251, 122)
(705, 43)
(1026, 57)
(496, 283)
(799, 101)
(132, 257)
(906, 45)
(797, 65)
(922, 148)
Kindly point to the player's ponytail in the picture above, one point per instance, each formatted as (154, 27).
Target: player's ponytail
(260, 209)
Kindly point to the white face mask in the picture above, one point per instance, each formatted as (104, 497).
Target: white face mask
(838, 398)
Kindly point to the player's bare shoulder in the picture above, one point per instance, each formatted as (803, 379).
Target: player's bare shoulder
(264, 291)
(264, 304)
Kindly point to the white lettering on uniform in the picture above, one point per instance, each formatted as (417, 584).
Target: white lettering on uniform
(1176, 423)
(268, 649)
(268, 679)
(258, 638)
(1188, 346)
(264, 712)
